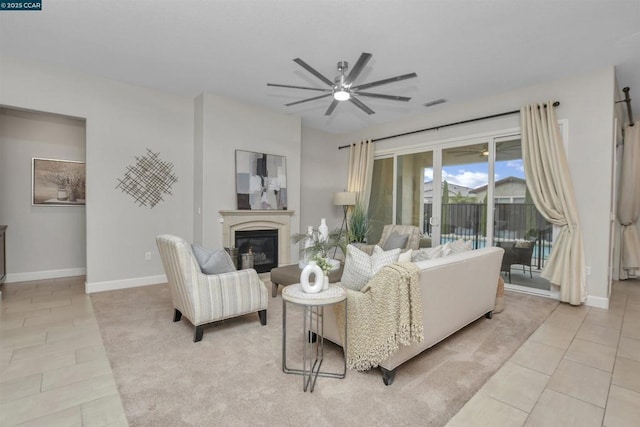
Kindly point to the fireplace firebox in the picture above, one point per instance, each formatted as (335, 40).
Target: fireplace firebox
(263, 244)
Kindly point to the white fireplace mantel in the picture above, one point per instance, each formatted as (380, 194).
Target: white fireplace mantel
(244, 220)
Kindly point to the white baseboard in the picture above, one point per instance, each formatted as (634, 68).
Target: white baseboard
(599, 302)
(46, 274)
(528, 290)
(113, 285)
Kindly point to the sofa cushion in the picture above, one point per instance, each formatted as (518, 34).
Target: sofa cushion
(456, 247)
(359, 266)
(213, 261)
(427, 253)
(405, 256)
(523, 244)
(395, 241)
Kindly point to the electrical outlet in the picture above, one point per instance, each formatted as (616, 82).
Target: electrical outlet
(147, 256)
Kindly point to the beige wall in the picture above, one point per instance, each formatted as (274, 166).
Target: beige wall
(324, 172)
(42, 241)
(122, 121)
(226, 125)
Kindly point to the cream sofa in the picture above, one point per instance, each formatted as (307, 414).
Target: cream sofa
(456, 290)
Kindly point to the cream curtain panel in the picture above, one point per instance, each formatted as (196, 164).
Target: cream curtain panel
(360, 171)
(549, 182)
(629, 202)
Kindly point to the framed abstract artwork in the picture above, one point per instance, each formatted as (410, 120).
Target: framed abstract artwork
(57, 182)
(261, 181)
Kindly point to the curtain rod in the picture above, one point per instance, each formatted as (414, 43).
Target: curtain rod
(627, 100)
(508, 113)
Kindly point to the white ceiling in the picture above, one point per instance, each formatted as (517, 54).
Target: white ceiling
(460, 49)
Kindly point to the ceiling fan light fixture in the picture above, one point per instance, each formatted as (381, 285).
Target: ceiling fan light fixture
(341, 95)
(485, 152)
(345, 87)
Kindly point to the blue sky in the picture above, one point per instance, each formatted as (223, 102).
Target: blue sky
(473, 175)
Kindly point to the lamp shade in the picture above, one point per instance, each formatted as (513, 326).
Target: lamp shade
(345, 198)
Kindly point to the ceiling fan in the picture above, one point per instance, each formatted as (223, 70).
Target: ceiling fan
(343, 89)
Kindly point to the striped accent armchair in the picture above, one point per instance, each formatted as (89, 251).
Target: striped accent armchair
(207, 298)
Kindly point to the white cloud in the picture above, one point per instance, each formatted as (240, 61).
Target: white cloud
(428, 175)
(516, 164)
(466, 178)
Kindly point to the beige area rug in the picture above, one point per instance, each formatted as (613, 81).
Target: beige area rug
(233, 377)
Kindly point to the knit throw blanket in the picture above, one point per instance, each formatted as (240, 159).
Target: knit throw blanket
(386, 313)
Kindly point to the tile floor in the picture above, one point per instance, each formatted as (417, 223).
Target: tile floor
(580, 368)
(54, 369)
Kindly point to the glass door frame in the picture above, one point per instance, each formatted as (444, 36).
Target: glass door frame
(437, 148)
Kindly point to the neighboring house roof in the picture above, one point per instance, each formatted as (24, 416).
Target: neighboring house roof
(454, 189)
(507, 180)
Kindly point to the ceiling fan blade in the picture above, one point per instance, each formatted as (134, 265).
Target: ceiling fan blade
(313, 71)
(380, 95)
(357, 69)
(332, 107)
(361, 106)
(298, 87)
(385, 81)
(308, 99)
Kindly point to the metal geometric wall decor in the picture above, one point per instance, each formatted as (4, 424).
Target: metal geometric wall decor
(148, 180)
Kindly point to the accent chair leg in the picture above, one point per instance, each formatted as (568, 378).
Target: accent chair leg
(176, 315)
(262, 314)
(274, 289)
(388, 375)
(489, 314)
(197, 336)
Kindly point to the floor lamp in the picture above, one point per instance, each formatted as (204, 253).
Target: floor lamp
(344, 199)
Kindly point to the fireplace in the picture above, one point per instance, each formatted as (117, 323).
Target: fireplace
(262, 244)
(252, 220)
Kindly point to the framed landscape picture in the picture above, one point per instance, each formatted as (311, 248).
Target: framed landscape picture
(58, 182)
(261, 181)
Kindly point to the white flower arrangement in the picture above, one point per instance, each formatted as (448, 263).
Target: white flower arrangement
(323, 263)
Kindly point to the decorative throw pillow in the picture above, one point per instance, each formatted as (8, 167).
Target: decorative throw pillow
(395, 241)
(526, 244)
(405, 256)
(213, 261)
(427, 253)
(359, 266)
(457, 247)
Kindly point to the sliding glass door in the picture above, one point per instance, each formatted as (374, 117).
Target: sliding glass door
(519, 228)
(465, 178)
(414, 178)
(381, 199)
(475, 191)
